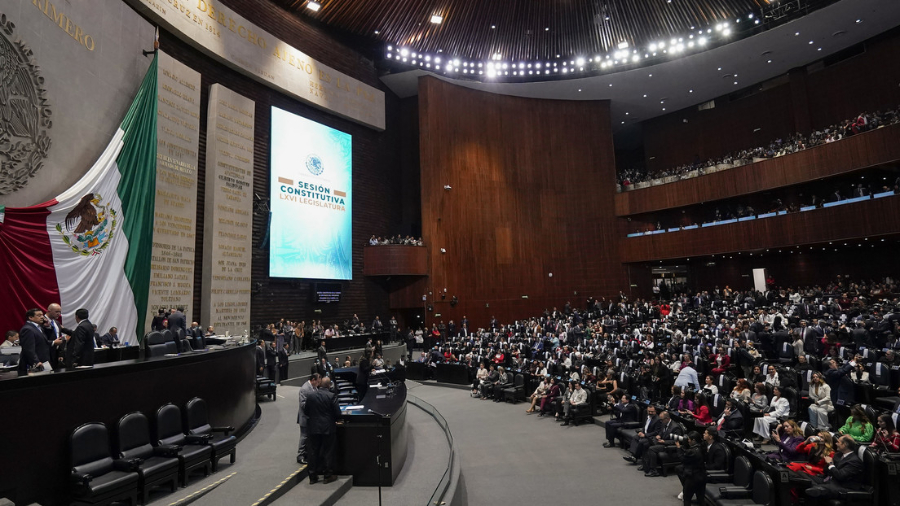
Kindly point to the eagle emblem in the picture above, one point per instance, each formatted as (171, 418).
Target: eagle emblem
(89, 226)
(314, 165)
(25, 115)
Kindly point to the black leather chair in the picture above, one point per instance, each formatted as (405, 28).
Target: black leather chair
(192, 451)
(761, 492)
(153, 467)
(171, 345)
(197, 424)
(156, 345)
(582, 412)
(742, 480)
(265, 387)
(517, 392)
(97, 479)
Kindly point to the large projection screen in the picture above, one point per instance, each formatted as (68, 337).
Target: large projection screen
(311, 183)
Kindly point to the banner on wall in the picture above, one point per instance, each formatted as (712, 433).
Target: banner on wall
(90, 246)
(311, 229)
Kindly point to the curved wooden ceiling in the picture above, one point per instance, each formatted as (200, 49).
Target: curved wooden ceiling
(526, 29)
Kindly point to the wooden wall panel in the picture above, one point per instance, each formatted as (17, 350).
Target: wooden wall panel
(378, 194)
(796, 102)
(859, 220)
(532, 184)
(860, 151)
(395, 260)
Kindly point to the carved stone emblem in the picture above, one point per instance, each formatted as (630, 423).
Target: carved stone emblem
(24, 112)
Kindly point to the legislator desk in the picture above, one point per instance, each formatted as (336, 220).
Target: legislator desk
(383, 414)
(42, 410)
(457, 374)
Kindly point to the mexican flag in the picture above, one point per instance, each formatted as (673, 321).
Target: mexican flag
(90, 246)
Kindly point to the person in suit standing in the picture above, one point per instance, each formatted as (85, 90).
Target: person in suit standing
(157, 323)
(271, 360)
(321, 352)
(843, 391)
(261, 358)
(53, 331)
(31, 337)
(283, 362)
(178, 326)
(309, 387)
(80, 349)
(322, 408)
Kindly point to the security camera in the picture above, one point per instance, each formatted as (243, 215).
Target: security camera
(448, 187)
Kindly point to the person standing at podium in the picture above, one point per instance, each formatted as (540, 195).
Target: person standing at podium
(323, 411)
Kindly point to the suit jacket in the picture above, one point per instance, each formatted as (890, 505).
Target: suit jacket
(653, 429)
(80, 350)
(715, 457)
(178, 324)
(673, 429)
(305, 390)
(323, 410)
(29, 338)
(847, 471)
(842, 388)
(260, 359)
(734, 421)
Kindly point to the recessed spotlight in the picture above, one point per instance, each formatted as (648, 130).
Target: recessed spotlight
(377, 32)
(626, 114)
(664, 108)
(770, 61)
(810, 42)
(493, 27)
(720, 68)
(610, 85)
(796, 34)
(690, 91)
(735, 82)
(859, 21)
(313, 6)
(547, 29)
(436, 19)
(579, 90)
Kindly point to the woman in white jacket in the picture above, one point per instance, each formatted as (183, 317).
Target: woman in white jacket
(778, 408)
(820, 396)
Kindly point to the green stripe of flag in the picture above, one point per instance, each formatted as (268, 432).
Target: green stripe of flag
(137, 190)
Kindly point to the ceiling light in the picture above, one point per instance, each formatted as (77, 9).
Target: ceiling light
(547, 29)
(652, 47)
(313, 6)
(859, 21)
(770, 61)
(438, 60)
(796, 34)
(810, 42)
(726, 32)
(493, 27)
(377, 32)
(404, 52)
(622, 45)
(580, 61)
(436, 19)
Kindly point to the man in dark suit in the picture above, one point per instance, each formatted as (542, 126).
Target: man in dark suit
(732, 420)
(716, 457)
(323, 411)
(283, 362)
(663, 443)
(178, 326)
(271, 360)
(624, 412)
(53, 331)
(844, 471)
(261, 358)
(157, 322)
(110, 339)
(645, 437)
(843, 391)
(80, 349)
(31, 337)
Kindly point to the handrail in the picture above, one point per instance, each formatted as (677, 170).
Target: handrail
(445, 492)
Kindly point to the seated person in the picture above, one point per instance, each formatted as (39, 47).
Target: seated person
(538, 394)
(742, 391)
(622, 413)
(816, 448)
(645, 436)
(845, 471)
(721, 361)
(858, 425)
(663, 443)
(576, 401)
(701, 410)
(686, 403)
(758, 401)
(787, 437)
(731, 423)
(710, 387)
(486, 387)
(887, 439)
(778, 408)
(500, 384)
(552, 395)
(772, 377)
(12, 339)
